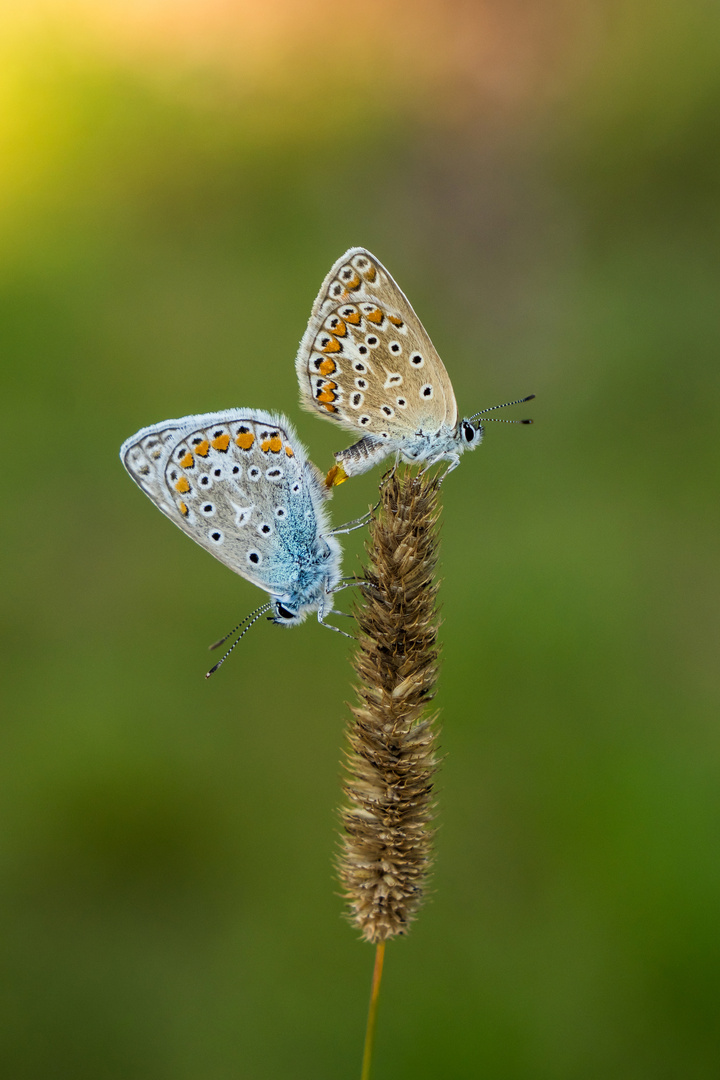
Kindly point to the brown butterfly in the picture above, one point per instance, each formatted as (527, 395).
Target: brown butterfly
(367, 362)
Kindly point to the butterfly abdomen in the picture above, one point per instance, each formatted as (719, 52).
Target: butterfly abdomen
(363, 455)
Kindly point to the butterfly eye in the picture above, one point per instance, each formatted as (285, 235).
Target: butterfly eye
(284, 612)
(469, 432)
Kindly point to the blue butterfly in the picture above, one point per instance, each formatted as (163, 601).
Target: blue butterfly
(240, 484)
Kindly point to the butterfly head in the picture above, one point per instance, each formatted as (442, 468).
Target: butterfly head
(471, 434)
(313, 587)
(288, 614)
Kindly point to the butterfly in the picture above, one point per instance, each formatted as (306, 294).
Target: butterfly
(240, 484)
(367, 362)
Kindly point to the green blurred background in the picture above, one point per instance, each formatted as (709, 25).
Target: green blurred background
(176, 178)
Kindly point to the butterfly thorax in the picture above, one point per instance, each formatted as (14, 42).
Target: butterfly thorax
(312, 580)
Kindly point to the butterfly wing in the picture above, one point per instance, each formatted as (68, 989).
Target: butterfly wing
(366, 360)
(240, 485)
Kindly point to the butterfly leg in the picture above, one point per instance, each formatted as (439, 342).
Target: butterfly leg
(387, 476)
(454, 460)
(321, 620)
(347, 583)
(329, 626)
(356, 523)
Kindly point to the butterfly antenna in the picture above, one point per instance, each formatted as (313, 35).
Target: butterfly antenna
(222, 640)
(503, 406)
(253, 619)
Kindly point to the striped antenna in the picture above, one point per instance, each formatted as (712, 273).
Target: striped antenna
(503, 406)
(242, 621)
(250, 620)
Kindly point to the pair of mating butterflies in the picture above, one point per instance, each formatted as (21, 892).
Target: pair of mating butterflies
(239, 482)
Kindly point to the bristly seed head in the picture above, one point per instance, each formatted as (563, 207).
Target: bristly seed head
(392, 755)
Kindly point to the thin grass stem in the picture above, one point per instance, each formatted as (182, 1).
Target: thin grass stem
(372, 1011)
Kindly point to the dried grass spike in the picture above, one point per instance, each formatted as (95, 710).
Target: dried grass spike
(392, 755)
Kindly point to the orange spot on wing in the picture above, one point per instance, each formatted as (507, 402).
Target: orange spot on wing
(354, 318)
(395, 320)
(221, 443)
(327, 367)
(353, 284)
(183, 509)
(327, 392)
(340, 330)
(188, 461)
(375, 316)
(202, 448)
(245, 440)
(289, 451)
(276, 445)
(330, 408)
(370, 275)
(333, 345)
(182, 485)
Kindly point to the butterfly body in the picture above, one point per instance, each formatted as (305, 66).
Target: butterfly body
(239, 483)
(367, 362)
(427, 445)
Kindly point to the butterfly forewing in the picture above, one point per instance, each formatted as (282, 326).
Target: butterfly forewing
(238, 484)
(366, 360)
